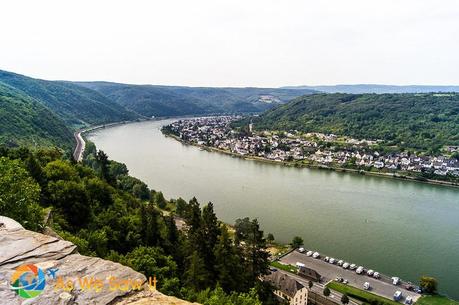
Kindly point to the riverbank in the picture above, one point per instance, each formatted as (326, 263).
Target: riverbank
(316, 166)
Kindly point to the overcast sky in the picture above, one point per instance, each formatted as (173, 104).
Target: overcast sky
(233, 43)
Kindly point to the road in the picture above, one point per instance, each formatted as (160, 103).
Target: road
(330, 272)
(79, 149)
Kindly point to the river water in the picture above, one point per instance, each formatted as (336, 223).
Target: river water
(399, 228)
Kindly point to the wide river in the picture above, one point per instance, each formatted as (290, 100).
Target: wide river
(399, 228)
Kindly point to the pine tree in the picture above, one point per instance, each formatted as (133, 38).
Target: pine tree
(196, 276)
(227, 263)
(150, 227)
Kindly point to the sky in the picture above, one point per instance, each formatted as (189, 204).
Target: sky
(266, 43)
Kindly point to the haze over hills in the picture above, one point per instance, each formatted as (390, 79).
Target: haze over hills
(375, 88)
(416, 121)
(151, 100)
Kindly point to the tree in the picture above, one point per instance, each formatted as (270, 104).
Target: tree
(254, 249)
(310, 284)
(344, 299)
(180, 207)
(104, 167)
(160, 200)
(151, 261)
(428, 284)
(227, 264)
(270, 238)
(196, 276)
(150, 227)
(297, 242)
(19, 195)
(326, 292)
(71, 198)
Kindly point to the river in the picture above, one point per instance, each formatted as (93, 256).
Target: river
(399, 228)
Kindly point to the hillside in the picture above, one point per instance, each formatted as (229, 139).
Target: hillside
(419, 121)
(76, 105)
(25, 121)
(374, 88)
(152, 100)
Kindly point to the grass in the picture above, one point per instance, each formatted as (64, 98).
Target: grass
(288, 268)
(359, 294)
(435, 300)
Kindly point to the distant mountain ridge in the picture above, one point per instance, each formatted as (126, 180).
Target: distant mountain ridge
(379, 89)
(155, 100)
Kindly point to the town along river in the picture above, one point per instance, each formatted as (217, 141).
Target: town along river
(400, 228)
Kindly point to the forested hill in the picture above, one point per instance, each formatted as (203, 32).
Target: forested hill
(25, 121)
(153, 100)
(419, 121)
(76, 105)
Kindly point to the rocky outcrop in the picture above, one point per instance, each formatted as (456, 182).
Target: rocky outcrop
(71, 278)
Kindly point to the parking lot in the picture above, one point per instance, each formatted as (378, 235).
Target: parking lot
(331, 271)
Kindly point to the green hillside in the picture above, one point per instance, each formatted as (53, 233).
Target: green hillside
(76, 105)
(419, 121)
(25, 121)
(176, 100)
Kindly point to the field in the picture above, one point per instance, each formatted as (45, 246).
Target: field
(288, 268)
(359, 294)
(436, 300)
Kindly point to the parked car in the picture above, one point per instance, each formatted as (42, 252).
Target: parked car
(352, 266)
(340, 262)
(397, 295)
(301, 250)
(370, 272)
(273, 269)
(326, 259)
(359, 270)
(345, 281)
(298, 264)
(366, 286)
(331, 260)
(309, 253)
(339, 279)
(395, 280)
(346, 265)
(408, 300)
(376, 275)
(316, 255)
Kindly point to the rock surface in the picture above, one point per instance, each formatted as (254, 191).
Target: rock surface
(19, 247)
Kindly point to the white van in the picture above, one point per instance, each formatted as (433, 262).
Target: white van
(359, 270)
(366, 286)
